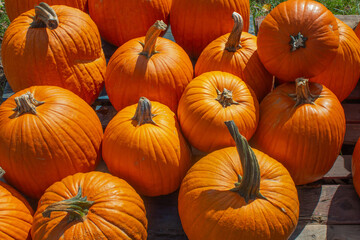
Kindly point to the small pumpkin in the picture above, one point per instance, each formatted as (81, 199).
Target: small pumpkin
(302, 126)
(195, 23)
(208, 101)
(150, 66)
(355, 167)
(298, 38)
(47, 134)
(58, 46)
(238, 193)
(143, 145)
(236, 53)
(121, 21)
(92, 205)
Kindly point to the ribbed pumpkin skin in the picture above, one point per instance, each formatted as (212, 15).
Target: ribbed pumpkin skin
(315, 22)
(69, 56)
(306, 139)
(244, 63)
(195, 23)
(16, 7)
(355, 167)
(118, 211)
(121, 21)
(162, 77)
(152, 158)
(342, 75)
(202, 117)
(206, 202)
(62, 139)
(15, 213)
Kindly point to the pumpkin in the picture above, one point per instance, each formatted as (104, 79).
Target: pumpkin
(208, 101)
(236, 53)
(355, 166)
(238, 193)
(47, 134)
(57, 46)
(195, 23)
(144, 146)
(16, 213)
(342, 75)
(121, 21)
(302, 126)
(150, 66)
(16, 7)
(92, 205)
(298, 38)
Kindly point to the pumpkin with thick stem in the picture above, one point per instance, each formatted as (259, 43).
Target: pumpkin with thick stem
(195, 23)
(151, 66)
(47, 134)
(238, 193)
(57, 46)
(144, 146)
(92, 205)
(302, 126)
(236, 53)
(208, 101)
(342, 75)
(298, 38)
(355, 167)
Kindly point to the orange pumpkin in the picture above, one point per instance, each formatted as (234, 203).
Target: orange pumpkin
(195, 23)
(236, 53)
(355, 167)
(121, 21)
(208, 101)
(298, 38)
(91, 205)
(151, 66)
(57, 46)
(47, 134)
(263, 204)
(16, 7)
(342, 75)
(143, 145)
(302, 126)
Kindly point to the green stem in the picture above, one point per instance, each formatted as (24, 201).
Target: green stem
(45, 16)
(303, 94)
(225, 98)
(143, 113)
(151, 37)
(233, 42)
(26, 103)
(297, 41)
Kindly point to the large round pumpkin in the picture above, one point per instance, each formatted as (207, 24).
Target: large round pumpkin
(302, 126)
(46, 134)
(150, 66)
(298, 38)
(87, 206)
(208, 101)
(238, 193)
(195, 23)
(121, 21)
(143, 145)
(16, 7)
(236, 53)
(57, 46)
(355, 167)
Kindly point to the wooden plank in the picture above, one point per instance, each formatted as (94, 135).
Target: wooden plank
(341, 168)
(326, 232)
(352, 112)
(352, 133)
(355, 94)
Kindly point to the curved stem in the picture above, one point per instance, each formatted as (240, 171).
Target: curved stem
(248, 186)
(297, 42)
(143, 113)
(225, 98)
(77, 207)
(151, 37)
(303, 94)
(26, 103)
(45, 16)
(233, 42)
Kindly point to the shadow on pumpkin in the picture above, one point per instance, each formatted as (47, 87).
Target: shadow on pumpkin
(61, 227)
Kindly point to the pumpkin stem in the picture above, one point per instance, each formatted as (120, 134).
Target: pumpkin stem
(248, 186)
(26, 103)
(151, 37)
(77, 207)
(45, 16)
(303, 94)
(225, 98)
(143, 113)
(297, 42)
(233, 42)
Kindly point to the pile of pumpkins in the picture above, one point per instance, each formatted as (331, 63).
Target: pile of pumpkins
(258, 140)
